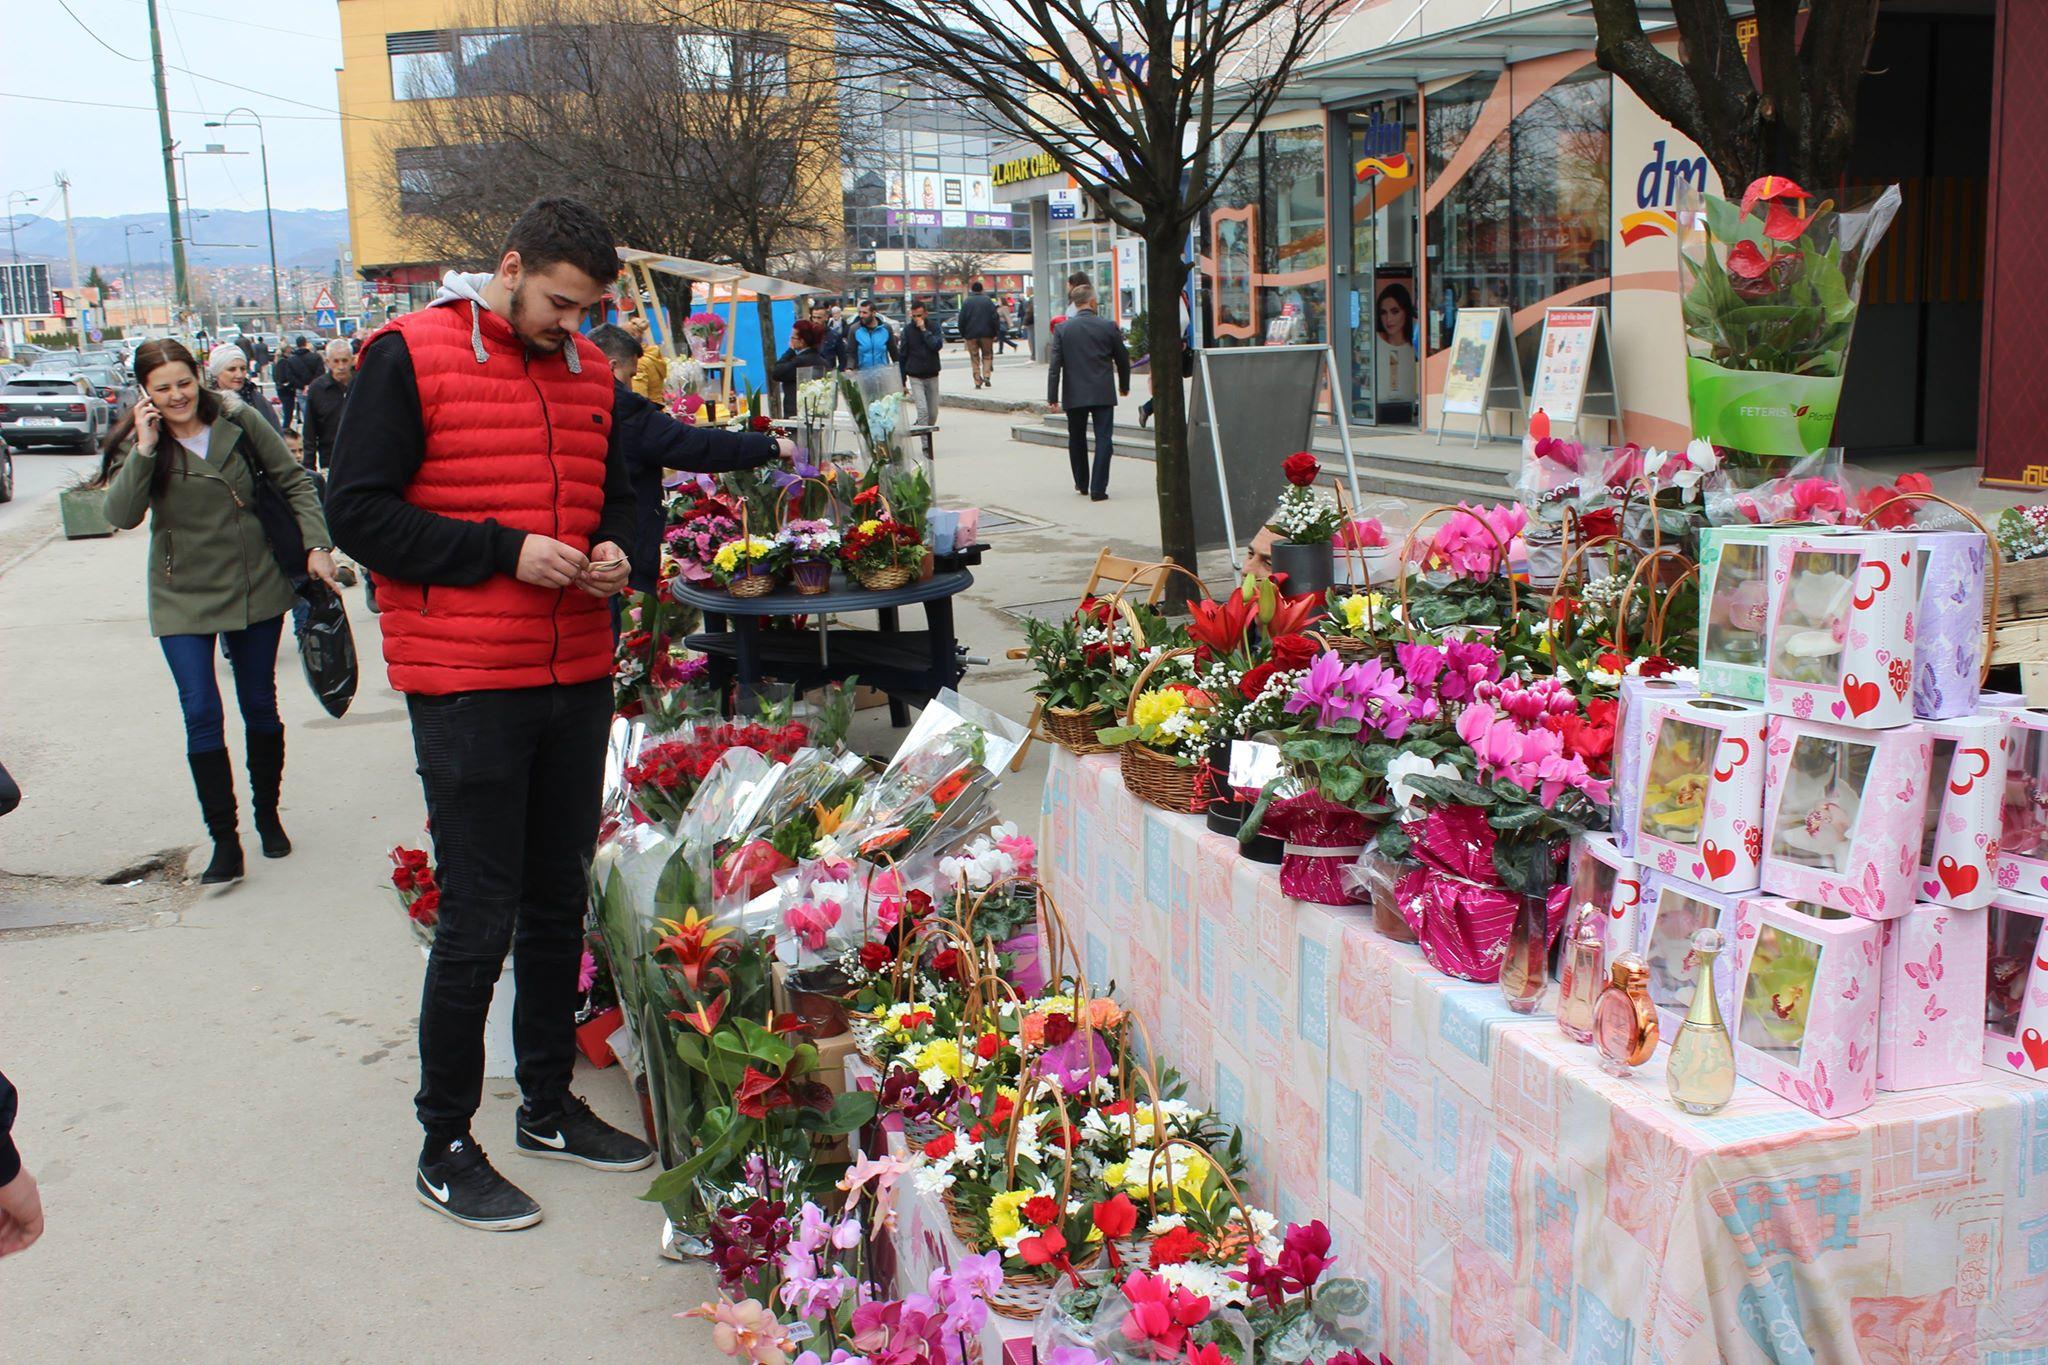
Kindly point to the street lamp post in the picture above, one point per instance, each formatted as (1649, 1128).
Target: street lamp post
(128, 232)
(13, 251)
(269, 222)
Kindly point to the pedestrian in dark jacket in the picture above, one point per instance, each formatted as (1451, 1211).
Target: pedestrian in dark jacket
(21, 1203)
(294, 370)
(228, 370)
(1087, 351)
(870, 344)
(186, 457)
(801, 360)
(979, 327)
(652, 443)
(325, 398)
(920, 346)
(479, 475)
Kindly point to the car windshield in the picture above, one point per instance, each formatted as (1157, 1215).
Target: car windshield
(42, 384)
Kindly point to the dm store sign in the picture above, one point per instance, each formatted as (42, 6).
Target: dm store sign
(1660, 184)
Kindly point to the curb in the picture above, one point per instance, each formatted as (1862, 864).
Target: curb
(969, 401)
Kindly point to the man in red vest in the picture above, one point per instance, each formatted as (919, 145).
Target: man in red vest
(476, 474)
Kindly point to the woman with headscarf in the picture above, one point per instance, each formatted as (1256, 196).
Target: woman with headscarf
(227, 369)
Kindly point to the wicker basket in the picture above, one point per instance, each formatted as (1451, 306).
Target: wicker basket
(1153, 777)
(811, 577)
(882, 580)
(1075, 730)
(752, 585)
(1349, 648)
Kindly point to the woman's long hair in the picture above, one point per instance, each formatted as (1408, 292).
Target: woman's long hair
(151, 356)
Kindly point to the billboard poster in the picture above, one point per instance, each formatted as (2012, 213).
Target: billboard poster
(1563, 362)
(1472, 345)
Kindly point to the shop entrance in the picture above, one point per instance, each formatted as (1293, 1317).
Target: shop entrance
(1378, 324)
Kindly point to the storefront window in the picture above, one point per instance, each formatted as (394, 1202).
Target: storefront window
(1385, 316)
(1268, 243)
(1526, 219)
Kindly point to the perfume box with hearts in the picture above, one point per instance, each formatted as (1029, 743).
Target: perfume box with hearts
(1699, 790)
(1959, 843)
(1606, 878)
(1844, 815)
(1631, 719)
(1930, 1016)
(2016, 985)
(1841, 632)
(2023, 808)
(1735, 602)
(1673, 910)
(1806, 1003)
(1948, 623)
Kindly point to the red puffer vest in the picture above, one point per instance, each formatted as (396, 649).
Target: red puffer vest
(521, 440)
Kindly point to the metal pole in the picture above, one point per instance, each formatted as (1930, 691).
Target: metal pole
(26, 199)
(269, 221)
(163, 123)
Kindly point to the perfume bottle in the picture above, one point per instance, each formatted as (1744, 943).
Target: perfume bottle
(1624, 1021)
(1701, 1071)
(1580, 977)
(1526, 970)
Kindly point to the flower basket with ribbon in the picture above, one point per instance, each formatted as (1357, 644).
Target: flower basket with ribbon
(1322, 838)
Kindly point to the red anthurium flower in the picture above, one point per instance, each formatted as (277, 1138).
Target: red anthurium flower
(1747, 261)
(867, 497)
(1041, 1210)
(1116, 1217)
(787, 1023)
(1783, 225)
(1769, 188)
(760, 1093)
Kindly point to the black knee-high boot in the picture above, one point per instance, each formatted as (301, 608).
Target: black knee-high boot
(214, 779)
(266, 779)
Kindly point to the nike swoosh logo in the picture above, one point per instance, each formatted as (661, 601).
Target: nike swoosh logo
(558, 1142)
(439, 1192)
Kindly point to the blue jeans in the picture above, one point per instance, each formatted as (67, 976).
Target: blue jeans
(252, 654)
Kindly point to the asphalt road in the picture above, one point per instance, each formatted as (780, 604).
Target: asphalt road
(39, 476)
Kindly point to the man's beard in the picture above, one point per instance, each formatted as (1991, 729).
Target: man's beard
(549, 340)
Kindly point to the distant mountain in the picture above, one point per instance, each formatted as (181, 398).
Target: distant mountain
(310, 238)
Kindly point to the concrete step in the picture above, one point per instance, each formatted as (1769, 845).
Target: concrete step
(1460, 475)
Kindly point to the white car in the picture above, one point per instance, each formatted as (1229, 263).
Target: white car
(52, 409)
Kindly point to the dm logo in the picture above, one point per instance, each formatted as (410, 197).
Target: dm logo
(1382, 150)
(1657, 190)
(1395, 167)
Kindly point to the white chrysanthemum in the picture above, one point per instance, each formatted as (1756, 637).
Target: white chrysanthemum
(1211, 1282)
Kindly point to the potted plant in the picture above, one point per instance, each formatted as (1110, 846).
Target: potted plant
(1306, 521)
(811, 547)
(882, 553)
(748, 566)
(82, 509)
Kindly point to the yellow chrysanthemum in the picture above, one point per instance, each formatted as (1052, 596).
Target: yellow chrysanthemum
(1155, 706)
(940, 1054)
(870, 526)
(1006, 1213)
(1359, 606)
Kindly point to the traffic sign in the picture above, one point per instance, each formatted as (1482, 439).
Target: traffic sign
(95, 335)
(323, 318)
(324, 303)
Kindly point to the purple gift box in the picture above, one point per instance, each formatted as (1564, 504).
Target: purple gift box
(1948, 640)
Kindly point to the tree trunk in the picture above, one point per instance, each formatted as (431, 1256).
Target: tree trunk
(1164, 277)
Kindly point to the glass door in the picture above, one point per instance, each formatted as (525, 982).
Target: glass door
(1385, 333)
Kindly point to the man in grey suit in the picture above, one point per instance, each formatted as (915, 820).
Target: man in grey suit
(1086, 349)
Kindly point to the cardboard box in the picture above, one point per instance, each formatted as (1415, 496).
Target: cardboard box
(1806, 1004)
(1844, 815)
(1840, 646)
(1699, 786)
(1959, 853)
(1930, 998)
(1673, 910)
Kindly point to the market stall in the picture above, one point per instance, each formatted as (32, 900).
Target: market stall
(704, 345)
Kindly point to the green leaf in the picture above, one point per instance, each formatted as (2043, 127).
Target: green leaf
(1341, 1297)
(850, 1112)
(1343, 785)
(676, 1181)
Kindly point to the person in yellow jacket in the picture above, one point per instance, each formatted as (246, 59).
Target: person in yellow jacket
(650, 379)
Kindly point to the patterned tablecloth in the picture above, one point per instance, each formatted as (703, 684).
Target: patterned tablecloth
(1505, 1199)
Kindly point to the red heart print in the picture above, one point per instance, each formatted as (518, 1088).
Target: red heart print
(2037, 1048)
(1720, 861)
(1959, 878)
(1901, 677)
(1861, 696)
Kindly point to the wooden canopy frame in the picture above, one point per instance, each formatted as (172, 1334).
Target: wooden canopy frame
(642, 266)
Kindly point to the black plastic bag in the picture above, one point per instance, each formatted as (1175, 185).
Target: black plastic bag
(327, 647)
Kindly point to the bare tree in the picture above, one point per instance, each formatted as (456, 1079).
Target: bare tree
(966, 259)
(823, 266)
(1800, 124)
(1135, 99)
(689, 127)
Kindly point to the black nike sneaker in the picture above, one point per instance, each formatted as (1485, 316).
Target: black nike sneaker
(455, 1178)
(570, 1132)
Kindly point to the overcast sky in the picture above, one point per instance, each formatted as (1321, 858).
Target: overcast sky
(288, 50)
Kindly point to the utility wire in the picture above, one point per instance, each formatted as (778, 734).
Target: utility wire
(328, 117)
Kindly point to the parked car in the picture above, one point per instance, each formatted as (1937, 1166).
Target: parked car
(53, 362)
(115, 387)
(52, 409)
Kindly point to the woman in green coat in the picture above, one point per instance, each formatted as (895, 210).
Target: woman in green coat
(186, 456)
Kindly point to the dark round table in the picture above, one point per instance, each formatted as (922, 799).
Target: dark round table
(910, 666)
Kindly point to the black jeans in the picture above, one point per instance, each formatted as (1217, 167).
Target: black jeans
(513, 782)
(1077, 445)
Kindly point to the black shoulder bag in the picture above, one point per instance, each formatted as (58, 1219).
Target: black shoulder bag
(327, 647)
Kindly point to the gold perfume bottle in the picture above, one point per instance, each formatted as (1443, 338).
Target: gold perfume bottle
(1701, 1071)
(1581, 975)
(1624, 1020)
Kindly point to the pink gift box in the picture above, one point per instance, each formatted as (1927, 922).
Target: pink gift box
(2016, 985)
(1806, 1002)
(1930, 996)
(1844, 811)
(1672, 911)
(1699, 782)
(1630, 717)
(1605, 878)
(1959, 853)
(2023, 817)
(1840, 646)
(1019, 1351)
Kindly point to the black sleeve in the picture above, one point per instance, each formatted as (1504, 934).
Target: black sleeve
(648, 437)
(621, 506)
(10, 1160)
(376, 454)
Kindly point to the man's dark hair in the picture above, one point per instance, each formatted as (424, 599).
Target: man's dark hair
(974, 288)
(1079, 277)
(616, 342)
(300, 345)
(554, 231)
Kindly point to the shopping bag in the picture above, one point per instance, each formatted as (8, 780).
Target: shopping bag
(327, 647)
